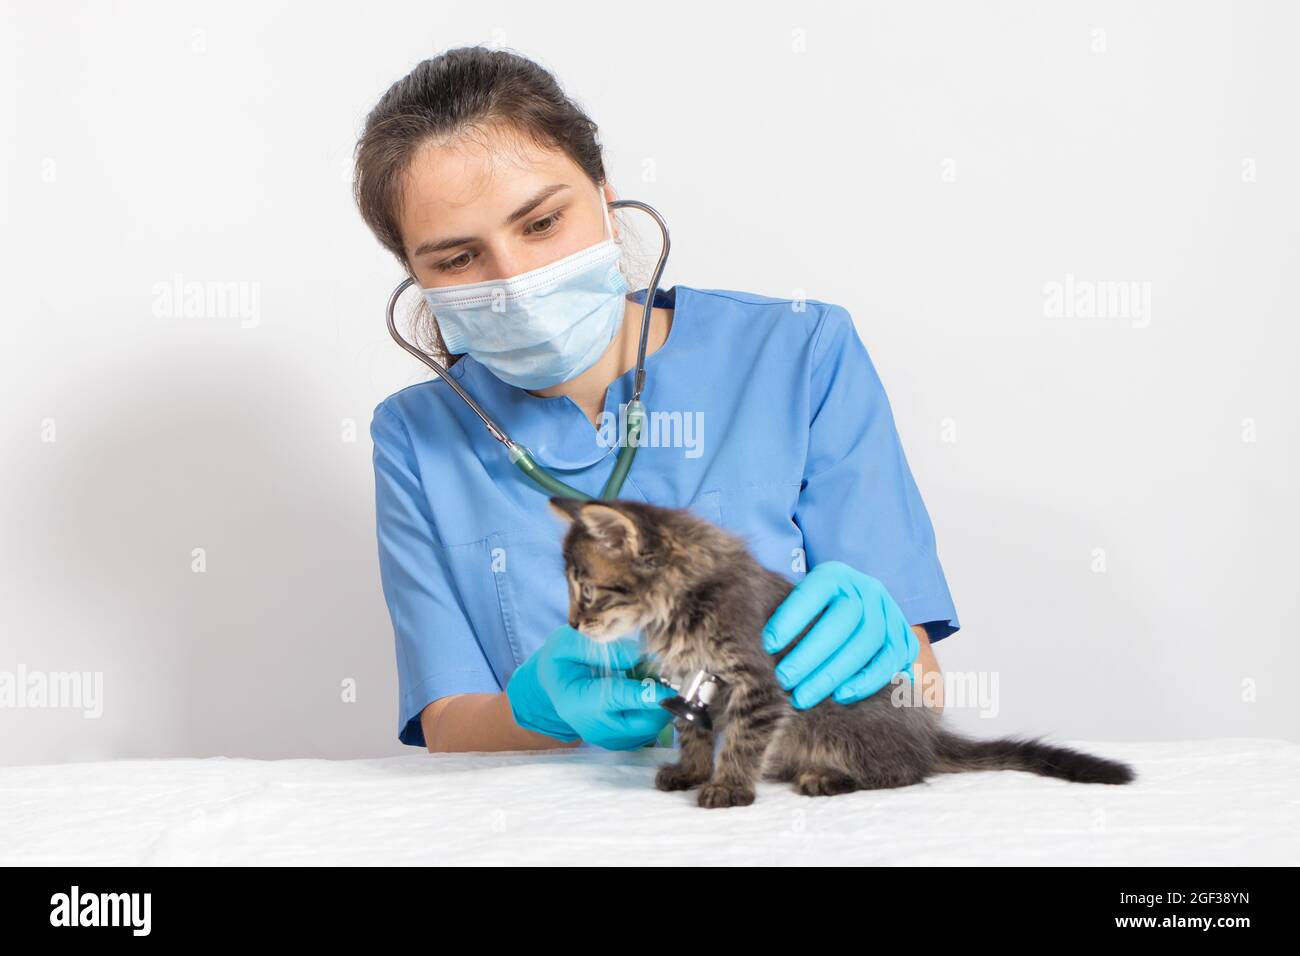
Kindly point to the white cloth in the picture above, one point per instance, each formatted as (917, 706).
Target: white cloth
(1231, 801)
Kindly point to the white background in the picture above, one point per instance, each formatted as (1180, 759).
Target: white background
(932, 167)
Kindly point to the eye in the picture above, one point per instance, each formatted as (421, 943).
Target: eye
(586, 592)
(456, 263)
(545, 225)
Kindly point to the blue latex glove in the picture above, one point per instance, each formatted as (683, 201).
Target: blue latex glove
(856, 647)
(573, 687)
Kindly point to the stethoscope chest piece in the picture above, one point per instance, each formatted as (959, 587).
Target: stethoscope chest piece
(693, 703)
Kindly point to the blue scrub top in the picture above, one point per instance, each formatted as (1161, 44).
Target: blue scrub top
(784, 436)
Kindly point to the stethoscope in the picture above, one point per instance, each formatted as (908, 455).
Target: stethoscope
(520, 456)
(692, 702)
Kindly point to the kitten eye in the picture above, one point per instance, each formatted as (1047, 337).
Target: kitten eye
(586, 592)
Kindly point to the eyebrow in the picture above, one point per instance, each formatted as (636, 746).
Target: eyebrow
(542, 195)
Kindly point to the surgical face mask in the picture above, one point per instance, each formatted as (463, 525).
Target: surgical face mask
(542, 327)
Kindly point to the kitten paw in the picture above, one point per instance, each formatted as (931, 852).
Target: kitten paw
(673, 776)
(824, 783)
(725, 795)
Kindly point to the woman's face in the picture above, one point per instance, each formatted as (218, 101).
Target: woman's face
(493, 207)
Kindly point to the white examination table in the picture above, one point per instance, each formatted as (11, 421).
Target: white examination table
(1233, 801)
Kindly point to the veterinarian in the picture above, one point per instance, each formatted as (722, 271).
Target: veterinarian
(476, 168)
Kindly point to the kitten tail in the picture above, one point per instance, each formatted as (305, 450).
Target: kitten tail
(957, 754)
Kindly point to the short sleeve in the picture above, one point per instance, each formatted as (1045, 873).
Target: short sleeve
(437, 652)
(858, 501)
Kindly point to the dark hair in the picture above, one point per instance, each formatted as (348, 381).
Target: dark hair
(461, 92)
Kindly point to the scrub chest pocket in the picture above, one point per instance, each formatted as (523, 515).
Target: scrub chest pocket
(762, 514)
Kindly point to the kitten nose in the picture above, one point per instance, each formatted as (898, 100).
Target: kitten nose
(573, 622)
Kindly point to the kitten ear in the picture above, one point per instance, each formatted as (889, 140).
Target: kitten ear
(610, 527)
(566, 508)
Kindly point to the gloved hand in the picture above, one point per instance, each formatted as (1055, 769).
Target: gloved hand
(861, 641)
(573, 687)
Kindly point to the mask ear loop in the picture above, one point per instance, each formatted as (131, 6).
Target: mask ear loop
(609, 225)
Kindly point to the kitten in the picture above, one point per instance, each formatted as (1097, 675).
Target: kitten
(701, 600)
